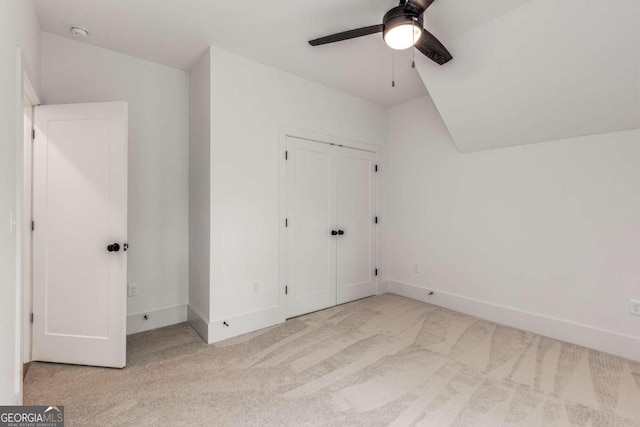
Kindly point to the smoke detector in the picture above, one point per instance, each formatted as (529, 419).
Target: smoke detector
(79, 32)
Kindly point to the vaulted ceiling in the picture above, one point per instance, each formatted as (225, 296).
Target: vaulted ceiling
(523, 70)
(274, 32)
(544, 71)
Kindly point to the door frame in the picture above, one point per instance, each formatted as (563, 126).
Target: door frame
(317, 137)
(30, 99)
(26, 99)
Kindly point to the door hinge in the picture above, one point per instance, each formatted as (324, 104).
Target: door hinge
(31, 317)
(286, 290)
(33, 134)
(376, 168)
(376, 271)
(376, 220)
(286, 155)
(33, 225)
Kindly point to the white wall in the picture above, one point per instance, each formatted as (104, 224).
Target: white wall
(18, 27)
(199, 193)
(158, 98)
(249, 103)
(543, 236)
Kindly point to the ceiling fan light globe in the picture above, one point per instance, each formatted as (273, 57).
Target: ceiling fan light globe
(402, 36)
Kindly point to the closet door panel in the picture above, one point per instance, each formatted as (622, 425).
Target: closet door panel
(311, 213)
(356, 218)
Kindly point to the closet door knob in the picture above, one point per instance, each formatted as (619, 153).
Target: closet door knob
(114, 247)
(334, 233)
(340, 232)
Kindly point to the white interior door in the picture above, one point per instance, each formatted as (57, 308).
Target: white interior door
(80, 212)
(311, 215)
(356, 223)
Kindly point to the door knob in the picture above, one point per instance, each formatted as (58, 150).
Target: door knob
(114, 247)
(334, 233)
(340, 232)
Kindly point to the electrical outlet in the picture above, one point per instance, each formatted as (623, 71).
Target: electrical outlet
(634, 307)
(132, 290)
(255, 288)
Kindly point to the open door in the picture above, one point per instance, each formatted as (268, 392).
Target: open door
(80, 234)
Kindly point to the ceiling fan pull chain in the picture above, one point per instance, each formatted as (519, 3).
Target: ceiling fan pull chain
(393, 70)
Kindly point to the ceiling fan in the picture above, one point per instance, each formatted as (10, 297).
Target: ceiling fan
(401, 28)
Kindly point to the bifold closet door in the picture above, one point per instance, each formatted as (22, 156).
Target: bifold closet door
(356, 219)
(311, 214)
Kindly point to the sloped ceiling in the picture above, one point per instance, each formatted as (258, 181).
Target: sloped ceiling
(523, 70)
(541, 71)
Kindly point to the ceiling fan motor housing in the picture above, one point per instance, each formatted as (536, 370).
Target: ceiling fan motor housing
(399, 16)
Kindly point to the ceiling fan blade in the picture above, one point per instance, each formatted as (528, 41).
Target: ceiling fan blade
(432, 48)
(346, 35)
(417, 6)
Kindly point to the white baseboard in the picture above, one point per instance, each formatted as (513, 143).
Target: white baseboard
(382, 287)
(198, 322)
(243, 324)
(587, 336)
(156, 319)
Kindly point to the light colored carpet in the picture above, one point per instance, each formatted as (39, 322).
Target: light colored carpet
(381, 361)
